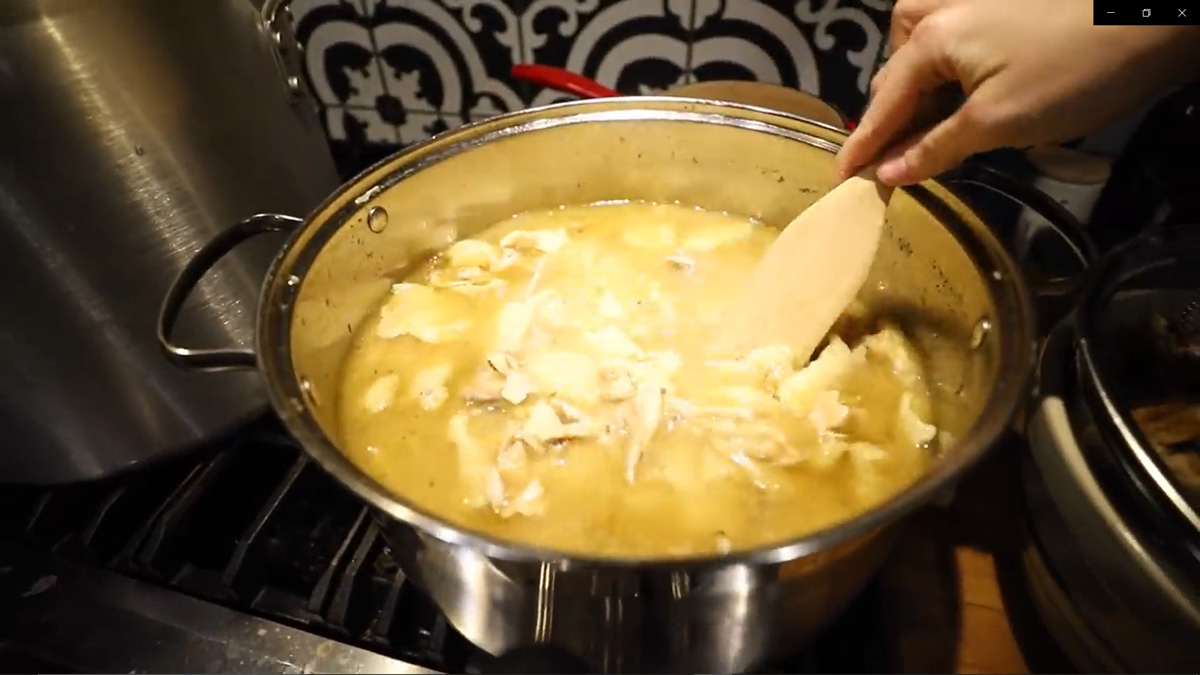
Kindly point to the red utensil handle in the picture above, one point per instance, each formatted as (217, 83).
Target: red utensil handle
(561, 80)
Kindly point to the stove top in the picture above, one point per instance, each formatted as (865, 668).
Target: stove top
(246, 557)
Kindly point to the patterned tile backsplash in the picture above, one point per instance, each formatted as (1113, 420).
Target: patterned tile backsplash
(386, 73)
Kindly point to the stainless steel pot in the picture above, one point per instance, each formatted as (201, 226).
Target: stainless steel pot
(1114, 542)
(132, 132)
(940, 271)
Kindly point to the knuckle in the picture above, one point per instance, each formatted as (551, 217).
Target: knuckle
(905, 10)
(921, 154)
(976, 114)
(935, 29)
(876, 83)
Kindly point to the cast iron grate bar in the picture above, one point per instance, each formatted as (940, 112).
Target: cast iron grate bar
(128, 555)
(320, 594)
(36, 512)
(78, 542)
(339, 608)
(88, 535)
(175, 510)
(383, 621)
(250, 536)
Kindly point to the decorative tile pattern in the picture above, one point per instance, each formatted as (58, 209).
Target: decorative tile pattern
(633, 46)
(390, 72)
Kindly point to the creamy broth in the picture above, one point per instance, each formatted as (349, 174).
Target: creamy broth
(550, 382)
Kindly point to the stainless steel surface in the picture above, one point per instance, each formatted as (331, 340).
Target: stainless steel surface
(940, 270)
(85, 619)
(1120, 584)
(132, 132)
(1156, 263)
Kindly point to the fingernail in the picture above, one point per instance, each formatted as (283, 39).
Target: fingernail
(892, 171)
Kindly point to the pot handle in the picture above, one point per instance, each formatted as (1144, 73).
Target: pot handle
(562, 80)
(192, 273)
(1054, 296)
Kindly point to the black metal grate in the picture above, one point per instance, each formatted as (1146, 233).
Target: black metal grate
(251, 524)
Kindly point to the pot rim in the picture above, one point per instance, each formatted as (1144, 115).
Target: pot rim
(1132, 448)
(1011, 298)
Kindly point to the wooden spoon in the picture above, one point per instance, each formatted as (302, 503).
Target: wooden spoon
(820, 261)
(811, 272)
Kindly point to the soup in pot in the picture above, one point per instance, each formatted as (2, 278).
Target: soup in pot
(551, 382)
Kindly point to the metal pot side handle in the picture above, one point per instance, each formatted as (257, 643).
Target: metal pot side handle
(191, 274)
(1054, 296)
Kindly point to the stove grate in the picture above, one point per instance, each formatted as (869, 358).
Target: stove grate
(253, 525)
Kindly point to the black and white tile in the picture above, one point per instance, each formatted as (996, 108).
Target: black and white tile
(387, 73)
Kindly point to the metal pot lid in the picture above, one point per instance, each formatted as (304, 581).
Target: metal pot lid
(1137, 330)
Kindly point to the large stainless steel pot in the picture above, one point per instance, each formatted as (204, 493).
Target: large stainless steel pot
(132, 131)
(941, 271)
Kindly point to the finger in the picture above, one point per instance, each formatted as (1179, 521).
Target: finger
(905, 16)
(877, 81)
(939, 149)
(912, 72)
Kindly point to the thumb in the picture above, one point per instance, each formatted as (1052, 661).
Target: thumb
(942, 147)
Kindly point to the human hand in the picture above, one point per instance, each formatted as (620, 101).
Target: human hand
(1033, 72)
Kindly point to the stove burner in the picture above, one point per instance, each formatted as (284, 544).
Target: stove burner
(246, 558)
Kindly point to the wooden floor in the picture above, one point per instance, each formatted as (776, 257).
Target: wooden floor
(955, 601)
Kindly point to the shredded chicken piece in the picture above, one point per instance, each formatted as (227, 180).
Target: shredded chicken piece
(513, 454)
(381, 394)
(473, 253)
(530, 501)
(916, 430)
(753, 470)
(724, 545)
(763, 365)
(864, 452)
(648, 405)
(616, 383)
(747, 398)
(831, 449)
(429, 386)
(610, 307)
(828, 412)
(800, 390)
(681, 262)
(543, 423)
(495, 491)
(554, 421)
(419, 311)
(545, 241)
(756, 440)
(566, 374)
(890, 344)
(613, 342)
(665, 363)
(513, 324)
(466, 280)
(485, 387)
(551, 309)
(517, 386)
(473, 459)
(473, 287)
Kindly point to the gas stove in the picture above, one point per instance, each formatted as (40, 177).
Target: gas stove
(246, 557)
